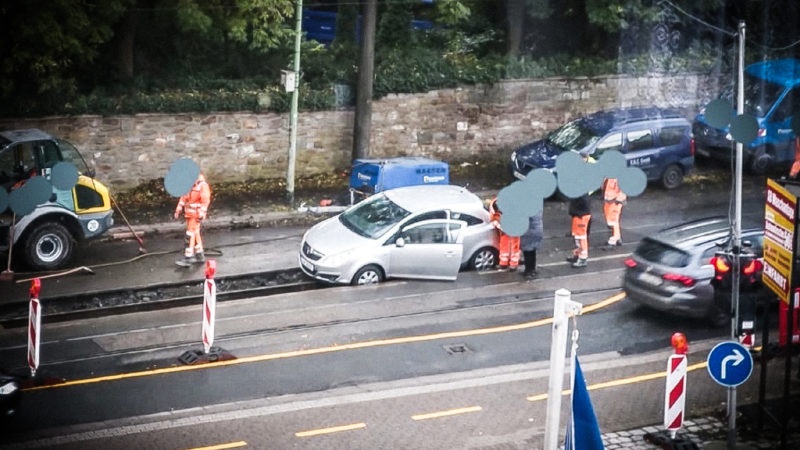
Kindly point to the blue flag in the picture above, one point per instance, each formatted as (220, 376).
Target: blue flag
(582, 430)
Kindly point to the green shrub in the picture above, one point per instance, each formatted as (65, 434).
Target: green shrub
(398, 70)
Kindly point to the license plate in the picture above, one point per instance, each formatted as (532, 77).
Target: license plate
(649, 278)
(307, 265)
(702, 152)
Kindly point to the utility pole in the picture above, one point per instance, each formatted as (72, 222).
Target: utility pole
(363, 116)
(298, 35)
(737, 236)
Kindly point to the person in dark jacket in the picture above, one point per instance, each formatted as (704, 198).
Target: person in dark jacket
(530, 242)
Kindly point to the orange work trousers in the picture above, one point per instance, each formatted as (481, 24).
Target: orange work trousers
(193, 242)
(509, 250)
(612, 211)
(580, 232)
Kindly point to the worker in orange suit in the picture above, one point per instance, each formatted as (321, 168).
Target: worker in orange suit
(194, 205)
(796, 165)
(581, 213)
(613, 198)
(509, 245)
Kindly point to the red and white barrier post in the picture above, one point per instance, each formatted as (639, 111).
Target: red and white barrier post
(34, 326)
(675, 395)
(209, 305)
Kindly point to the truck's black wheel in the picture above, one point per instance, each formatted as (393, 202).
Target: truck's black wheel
(49, 246)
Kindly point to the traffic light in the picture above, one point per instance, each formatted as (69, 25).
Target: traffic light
(750, 277)
(749, 274)
(750, 267)
(723, 265)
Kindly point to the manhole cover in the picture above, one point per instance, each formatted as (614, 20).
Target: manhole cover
(457, 349)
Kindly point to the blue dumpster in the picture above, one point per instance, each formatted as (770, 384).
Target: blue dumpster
(370, 176)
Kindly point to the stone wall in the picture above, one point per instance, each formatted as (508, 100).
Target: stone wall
(463, 124)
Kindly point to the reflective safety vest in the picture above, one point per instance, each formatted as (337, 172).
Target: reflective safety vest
(612, 192)
(494, 214)
(195, 202)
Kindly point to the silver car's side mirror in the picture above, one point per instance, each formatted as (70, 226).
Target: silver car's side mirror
(400, 242)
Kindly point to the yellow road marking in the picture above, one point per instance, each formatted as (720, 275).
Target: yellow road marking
(331, 349)
(319, 431)
(620, 382)
(222, 446)
(446, 413)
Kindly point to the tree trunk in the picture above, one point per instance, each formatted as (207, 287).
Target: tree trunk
(515, 20)
(363, 117)
(127, 40)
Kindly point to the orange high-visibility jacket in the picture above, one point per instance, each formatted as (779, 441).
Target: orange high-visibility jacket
(612, 192)
(195, 202)
(494, 213)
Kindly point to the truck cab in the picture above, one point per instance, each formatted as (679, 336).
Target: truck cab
(45, 235)
(772, 96)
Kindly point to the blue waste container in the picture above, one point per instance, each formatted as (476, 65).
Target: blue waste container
(371, 176)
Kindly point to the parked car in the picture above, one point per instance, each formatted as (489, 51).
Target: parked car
(656, 140)
(672, 272)
(772, 96)
(428, 232)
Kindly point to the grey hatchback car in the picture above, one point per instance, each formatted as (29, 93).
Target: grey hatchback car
(427, 231)
(671, 271)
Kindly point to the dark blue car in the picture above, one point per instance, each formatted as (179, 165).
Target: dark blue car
(772, 96)
(656, 140)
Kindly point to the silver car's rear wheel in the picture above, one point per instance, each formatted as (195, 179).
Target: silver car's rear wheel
(483, 259)
(370, 274)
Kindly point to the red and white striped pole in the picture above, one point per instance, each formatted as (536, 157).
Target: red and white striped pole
(675, 395)
(34, 326)
(209, 305)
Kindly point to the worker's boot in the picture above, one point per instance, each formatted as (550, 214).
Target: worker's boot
(198, 258)
(185, 262)
(580, 262)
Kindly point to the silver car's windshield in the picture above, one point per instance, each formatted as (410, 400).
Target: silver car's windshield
(373, 217)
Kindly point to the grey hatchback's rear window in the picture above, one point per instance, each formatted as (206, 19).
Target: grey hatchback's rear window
(661, 253)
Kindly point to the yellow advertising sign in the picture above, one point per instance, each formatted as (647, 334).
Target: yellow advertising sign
(779, 220)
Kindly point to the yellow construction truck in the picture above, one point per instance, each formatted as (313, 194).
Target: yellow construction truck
(44, 233)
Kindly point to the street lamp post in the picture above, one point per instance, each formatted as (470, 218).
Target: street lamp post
(737, 236)
(293, 114)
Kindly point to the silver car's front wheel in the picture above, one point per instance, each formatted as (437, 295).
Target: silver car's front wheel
(483, 259)
(370, 274)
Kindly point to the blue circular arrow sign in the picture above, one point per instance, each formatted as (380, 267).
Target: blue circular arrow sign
(730, 363)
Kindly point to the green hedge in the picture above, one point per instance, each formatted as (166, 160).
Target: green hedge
(398, 71)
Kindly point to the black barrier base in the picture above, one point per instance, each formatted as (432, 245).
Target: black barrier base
(664, 440)
(194, 357)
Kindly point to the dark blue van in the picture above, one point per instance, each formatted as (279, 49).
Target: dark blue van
(772, 96)
(656, 140)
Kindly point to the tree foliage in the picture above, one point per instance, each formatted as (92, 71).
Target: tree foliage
(45, 42)
(120, 55)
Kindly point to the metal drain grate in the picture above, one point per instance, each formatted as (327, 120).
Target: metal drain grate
(457, 349)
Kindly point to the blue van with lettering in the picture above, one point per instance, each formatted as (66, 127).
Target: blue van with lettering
(656, 140)
(772, 96)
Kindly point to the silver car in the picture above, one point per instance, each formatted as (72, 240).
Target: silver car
(428, 232)
(671, 271)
